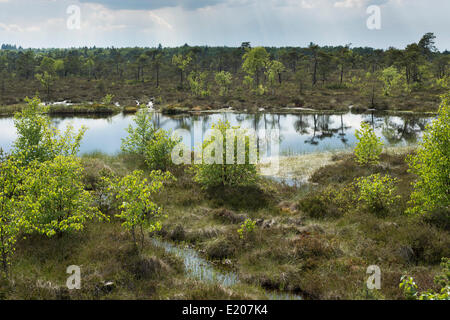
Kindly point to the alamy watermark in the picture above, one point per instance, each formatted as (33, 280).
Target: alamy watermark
(374, 20)
(374, 280)
(74, 280)
(74, 19)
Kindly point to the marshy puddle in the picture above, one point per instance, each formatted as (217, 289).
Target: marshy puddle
(198, 268)
(296, 170)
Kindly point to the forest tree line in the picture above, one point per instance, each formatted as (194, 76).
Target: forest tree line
(205, 71)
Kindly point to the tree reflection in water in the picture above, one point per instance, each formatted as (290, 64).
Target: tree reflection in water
(313, 128)
(299, 133)
(408, 131)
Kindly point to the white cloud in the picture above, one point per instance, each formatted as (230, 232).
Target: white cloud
(42, 23)
(18, 28)
(96, 17)
(160, 21)
(360, 3)
(349, 3)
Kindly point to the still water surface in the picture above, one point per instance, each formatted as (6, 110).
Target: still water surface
(299, 133)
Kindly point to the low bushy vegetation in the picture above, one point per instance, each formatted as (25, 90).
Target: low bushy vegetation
(134, 195)
(443, 280)
(369, 146)
(431, 165)
(226, 165)
(154, 146)
(377, 194)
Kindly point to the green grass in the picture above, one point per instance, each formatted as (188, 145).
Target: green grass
(95, 109)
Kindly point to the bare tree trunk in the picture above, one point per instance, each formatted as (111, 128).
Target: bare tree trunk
(373, 96)
(133, 234)
(157, 76)
(181, 78)
(315, 72)
(142, 238)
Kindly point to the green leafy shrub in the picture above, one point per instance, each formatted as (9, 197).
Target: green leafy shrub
(393, 81)
(11, 218)
(107, 100)
(134, 194)
(260, 90)
(38, 139)
(153, 145)
(377, 193)
(274, 70)
(158, 151)
(369, 146)
(410, 288)
(248, 82)
(255, 62)
(47, 80)
(139, 136)
(246, 228)
(198, 84)
(54, 200)
(224, 174)
(332, 202)
(431, 165)
(223, 80)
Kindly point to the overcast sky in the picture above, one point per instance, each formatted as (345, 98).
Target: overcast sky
(123, 23)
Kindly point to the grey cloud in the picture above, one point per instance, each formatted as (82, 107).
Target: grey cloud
(153, 4)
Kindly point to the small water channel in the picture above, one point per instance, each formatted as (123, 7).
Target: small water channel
(200, 269)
